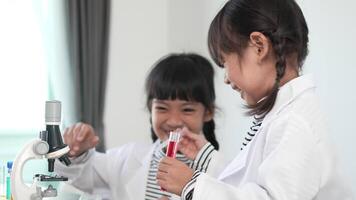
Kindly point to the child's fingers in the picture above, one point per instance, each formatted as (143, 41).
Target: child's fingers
(82, 135)
(193, 138)
(167, 160)
(77, 128)
(69, 139)
(163, 183)
(190, 136)
(66, 136)
(161, 176)
(183, 142)
(163, 168)
(83, 132)
(184, 145)
(95, 141)
(88, 144)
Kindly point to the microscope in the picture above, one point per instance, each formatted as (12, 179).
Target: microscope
(48, 146)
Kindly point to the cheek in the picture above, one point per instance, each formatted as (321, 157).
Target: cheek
(153, 118)
(195, 124)
(156, 121)
(235, 79)
(233, 73)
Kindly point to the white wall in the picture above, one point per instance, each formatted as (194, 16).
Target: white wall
(141, 34)
(138, 38)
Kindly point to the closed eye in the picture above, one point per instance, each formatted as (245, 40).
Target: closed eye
(188, 110)
(160, 108)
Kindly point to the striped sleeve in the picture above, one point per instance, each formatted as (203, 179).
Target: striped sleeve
(201, 162)
(188, 190)
(200, 165)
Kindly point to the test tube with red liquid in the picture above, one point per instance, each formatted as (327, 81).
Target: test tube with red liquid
(172, 144)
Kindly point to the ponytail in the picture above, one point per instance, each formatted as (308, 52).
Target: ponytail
(263, 107)
(209, 133)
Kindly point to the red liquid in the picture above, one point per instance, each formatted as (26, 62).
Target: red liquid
(171, 149)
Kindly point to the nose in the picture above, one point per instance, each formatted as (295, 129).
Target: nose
(175, 121)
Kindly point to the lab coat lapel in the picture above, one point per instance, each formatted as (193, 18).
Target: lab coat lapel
(287, 94)
(240, 160)
(137, 183)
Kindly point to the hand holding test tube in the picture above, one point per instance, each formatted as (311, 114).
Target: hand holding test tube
(172, 145)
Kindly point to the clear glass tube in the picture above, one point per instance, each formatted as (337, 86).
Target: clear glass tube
(8, 180)
(173, 143)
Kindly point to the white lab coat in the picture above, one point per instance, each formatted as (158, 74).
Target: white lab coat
(290, 158)
(122, 172)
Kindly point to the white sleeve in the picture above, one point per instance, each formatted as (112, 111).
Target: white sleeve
(290, 168)
(209, 160)
(217, 164)
(92, 170)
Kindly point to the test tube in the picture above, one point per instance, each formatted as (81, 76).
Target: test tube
(8, 180)
(172, 144)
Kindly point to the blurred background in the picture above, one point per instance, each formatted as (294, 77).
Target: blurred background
(94, 56)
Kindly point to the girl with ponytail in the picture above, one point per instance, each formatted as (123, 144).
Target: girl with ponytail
(262, 45)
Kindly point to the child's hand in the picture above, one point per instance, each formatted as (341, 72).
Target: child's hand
(173, 175)
(191, 143)
(80, 138)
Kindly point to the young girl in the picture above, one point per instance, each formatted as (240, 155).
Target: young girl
(261, 45)
(180, 95)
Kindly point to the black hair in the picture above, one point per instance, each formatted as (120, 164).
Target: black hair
(281, 21)
(185, 76)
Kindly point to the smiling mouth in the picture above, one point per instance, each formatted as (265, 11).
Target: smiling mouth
(234, 87)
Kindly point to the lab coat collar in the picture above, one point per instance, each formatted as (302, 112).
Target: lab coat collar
(287, 93)
(238, 163)
(148, 156)
(138, 180)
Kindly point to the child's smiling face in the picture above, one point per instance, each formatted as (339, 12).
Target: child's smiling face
(249, 74)
(168, 115)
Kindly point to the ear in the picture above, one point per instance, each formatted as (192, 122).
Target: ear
(261, 44)
(208, 115)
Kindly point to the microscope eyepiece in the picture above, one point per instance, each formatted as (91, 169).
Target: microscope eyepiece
(54, 136)
(53, 112)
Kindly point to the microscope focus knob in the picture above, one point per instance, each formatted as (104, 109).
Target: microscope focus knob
(41, 148)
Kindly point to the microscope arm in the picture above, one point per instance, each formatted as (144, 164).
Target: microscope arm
(35, 149)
